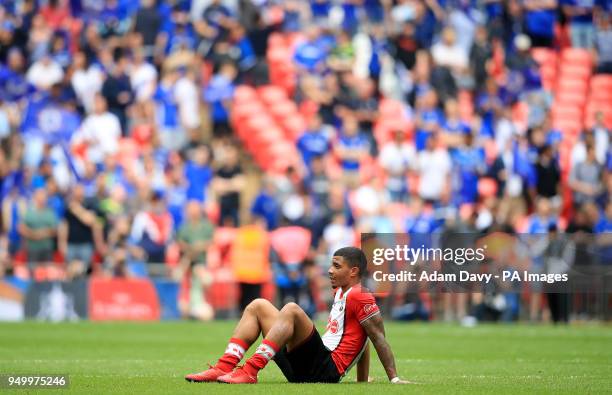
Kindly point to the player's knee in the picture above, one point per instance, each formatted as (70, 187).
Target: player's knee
(257, 304)
(291, 308)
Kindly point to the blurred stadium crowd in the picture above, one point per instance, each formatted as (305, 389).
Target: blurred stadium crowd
(216, 141)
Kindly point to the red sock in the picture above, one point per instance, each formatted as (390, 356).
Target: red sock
(233, 354)
(265, 352)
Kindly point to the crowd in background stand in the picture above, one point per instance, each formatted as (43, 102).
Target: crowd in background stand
(106, 163)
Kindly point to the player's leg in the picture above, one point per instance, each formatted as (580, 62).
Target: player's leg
(258, 317)
(291, 328)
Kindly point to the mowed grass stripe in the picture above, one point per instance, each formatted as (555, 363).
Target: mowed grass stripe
(120, 358)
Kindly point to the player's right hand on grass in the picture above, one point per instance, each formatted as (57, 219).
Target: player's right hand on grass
(397, 380)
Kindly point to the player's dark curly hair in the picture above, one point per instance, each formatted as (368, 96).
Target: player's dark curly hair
(354, 257)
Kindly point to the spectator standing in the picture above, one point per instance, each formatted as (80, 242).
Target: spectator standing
(228, 184)
(351, 148)
(78, 233)
(117, 90)
(434, 167)
(39, 230)
(152, 230)
(586, 178)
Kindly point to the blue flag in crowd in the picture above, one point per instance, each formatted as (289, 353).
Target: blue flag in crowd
(50, 121)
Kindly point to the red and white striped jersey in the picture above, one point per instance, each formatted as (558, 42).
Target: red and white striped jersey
(344, 336)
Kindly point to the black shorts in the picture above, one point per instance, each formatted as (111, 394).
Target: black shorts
(310, 362)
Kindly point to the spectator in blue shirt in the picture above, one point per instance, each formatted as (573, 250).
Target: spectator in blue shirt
(540, 18)
(603, 43)
(579, 13)
(218, 17)
(13, 84)
(246, 55)
(176, 194)
(265, 205)
(218, 95)
(176, 32)
(171, 134)
(309, 56)
(453, 128)
(542, 219)
(603, 229)
(469, 162)
(421, 224)
(488, 105)
(351, 148)
(198, 174)
(59, 50)
(320, 9)
(314, 142)
(428, 119)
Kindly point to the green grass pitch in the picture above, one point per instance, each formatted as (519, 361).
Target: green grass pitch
(125, 358)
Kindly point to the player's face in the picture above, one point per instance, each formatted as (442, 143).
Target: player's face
(339, 272)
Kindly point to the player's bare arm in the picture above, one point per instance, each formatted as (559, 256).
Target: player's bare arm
(375, 330)
(363, 366)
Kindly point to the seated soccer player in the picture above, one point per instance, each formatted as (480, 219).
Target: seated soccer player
(291, 339)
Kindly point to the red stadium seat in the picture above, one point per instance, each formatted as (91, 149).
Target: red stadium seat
(257, 124)
(223, 239)
(276, 39)
(544, 56)
(568, 126)
(568, 98)
(573, 85)
(294, 125)
(601, 81)
(384, 128)
(575, 72)
(282, 109)
(389, 108)
(291, 243)
(549, 76)
(279, 165)
(244, 93)
(278, 55)
(271, 94)
(223, 293)
(577, 56)
(566, 111)
(603, 96)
